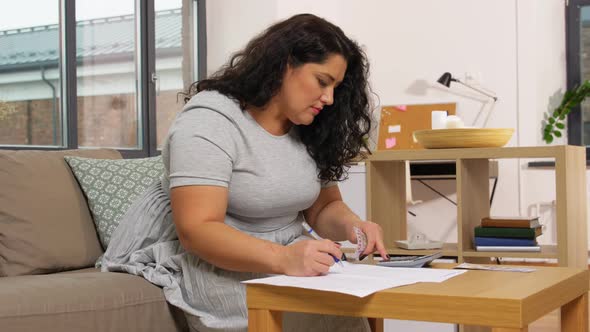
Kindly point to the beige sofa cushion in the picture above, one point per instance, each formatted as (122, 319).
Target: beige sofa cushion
(85, 301)
(45, 223)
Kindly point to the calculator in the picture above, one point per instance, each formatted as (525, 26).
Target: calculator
(409, 261)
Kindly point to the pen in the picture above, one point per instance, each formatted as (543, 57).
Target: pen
(315, 235)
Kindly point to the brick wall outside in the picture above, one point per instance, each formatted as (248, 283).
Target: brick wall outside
(103, 121)
(167, 106)
(30, 123)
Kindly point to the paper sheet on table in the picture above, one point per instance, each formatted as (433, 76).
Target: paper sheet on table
(361, 280)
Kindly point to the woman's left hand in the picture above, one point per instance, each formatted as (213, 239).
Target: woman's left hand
(374, 234)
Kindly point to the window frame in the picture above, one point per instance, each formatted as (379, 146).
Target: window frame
(146, 93)
(573, 68)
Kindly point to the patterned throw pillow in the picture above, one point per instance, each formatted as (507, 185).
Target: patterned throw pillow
(111, 186)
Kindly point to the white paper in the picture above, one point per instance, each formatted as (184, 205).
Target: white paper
(361, 280)
(394, 129)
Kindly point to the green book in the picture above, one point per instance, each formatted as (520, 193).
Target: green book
(521, 233)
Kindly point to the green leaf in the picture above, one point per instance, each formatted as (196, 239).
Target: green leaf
(576, 100)
(548, 139)
(568, 94)
(571, 98)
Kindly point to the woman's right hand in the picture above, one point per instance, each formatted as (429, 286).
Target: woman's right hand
(309, 257)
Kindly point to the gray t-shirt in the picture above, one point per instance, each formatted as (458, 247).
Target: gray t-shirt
(270, 179)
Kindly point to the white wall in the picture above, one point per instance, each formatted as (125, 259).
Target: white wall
(541, 84)
(515, 48)
(231, 24)
(96, 79)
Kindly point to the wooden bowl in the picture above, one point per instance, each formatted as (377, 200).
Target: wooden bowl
(463, 137)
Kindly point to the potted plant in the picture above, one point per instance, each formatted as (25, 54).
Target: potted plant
(555, 121)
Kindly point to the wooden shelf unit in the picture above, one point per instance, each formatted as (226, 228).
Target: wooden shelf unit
(386, 198)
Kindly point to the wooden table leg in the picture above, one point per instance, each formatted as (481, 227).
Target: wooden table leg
(260, 320)
(574, 315)
(376, 324)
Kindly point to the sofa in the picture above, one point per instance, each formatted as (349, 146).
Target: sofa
(48, 250)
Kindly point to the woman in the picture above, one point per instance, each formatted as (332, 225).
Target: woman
(256, 151)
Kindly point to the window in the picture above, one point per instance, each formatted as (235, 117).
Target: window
(30, 85)
(131, 59)
(176, 62)
(578, 68)
(106, 72)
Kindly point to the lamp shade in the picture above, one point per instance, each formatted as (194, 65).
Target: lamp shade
(445, 79)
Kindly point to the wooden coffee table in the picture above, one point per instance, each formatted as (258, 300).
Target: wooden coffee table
(505, 301)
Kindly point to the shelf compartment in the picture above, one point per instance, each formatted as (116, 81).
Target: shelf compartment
(386, 198)
(547, 251)
(473, 187)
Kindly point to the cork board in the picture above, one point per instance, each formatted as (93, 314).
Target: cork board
(398, 122)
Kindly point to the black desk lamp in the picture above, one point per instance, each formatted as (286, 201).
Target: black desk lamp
(447, 78)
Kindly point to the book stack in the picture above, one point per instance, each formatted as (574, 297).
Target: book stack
(508, 234)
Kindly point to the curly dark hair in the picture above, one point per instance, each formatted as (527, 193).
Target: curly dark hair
(255, 74)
